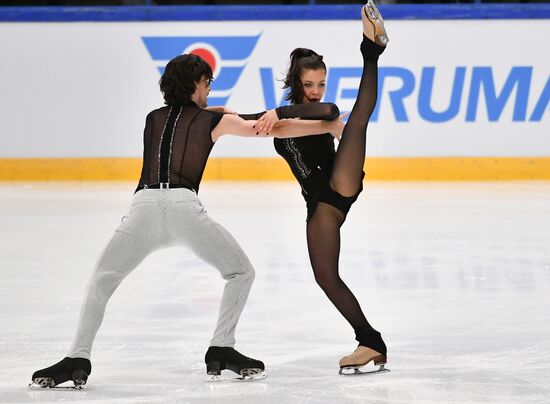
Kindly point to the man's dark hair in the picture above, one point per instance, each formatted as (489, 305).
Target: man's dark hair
(178, 82)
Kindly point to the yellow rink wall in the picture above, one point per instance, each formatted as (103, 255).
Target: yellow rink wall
(267, 169)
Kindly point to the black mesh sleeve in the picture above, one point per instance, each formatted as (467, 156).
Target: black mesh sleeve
(252, 117)
(326, 111)
(216, 118)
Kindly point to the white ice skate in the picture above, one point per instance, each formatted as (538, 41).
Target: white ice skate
(373, 24)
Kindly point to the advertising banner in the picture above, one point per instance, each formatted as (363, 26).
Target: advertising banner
(446, 88)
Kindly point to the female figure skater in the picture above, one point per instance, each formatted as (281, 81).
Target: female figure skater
(331, 180)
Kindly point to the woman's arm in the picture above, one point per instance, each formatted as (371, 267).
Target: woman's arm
(297, 128)
(234, 125)
(252, 117)
(316, 110)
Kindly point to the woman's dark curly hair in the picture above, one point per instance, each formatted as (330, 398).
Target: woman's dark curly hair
(300, 59)
(178, 82)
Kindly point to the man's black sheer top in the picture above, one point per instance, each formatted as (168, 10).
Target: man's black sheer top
(176, 144)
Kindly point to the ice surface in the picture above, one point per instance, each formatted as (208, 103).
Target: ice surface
(456, 276)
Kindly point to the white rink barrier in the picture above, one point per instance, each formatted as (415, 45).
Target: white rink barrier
(447, 89)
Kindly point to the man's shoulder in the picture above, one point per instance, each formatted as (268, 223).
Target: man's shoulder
(192, 108)
(212, 113)
(157, 111)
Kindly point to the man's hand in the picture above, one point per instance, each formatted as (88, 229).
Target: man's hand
(265, 124)
(336, 127)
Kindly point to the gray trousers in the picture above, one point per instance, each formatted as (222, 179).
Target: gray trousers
(158, 219)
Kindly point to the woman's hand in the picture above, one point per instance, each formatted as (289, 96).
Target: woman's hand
(265, 124)
(336, 126)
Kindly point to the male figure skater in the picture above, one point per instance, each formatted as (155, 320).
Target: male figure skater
(166, 211)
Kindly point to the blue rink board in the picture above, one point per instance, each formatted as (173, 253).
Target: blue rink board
(277, 12)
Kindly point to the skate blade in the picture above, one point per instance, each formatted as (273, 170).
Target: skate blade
(34, 386)
(250, 375)
(247, 375)
(375, 18)
(356, 371)
(47, 383)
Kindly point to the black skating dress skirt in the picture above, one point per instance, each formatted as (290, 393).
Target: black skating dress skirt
(311, 159)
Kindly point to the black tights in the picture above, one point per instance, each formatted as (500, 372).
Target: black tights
(323, 229)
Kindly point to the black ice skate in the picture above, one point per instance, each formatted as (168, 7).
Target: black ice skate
(75, 369)
(220, 358)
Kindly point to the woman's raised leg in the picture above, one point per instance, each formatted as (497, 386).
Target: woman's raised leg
(350, 158)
